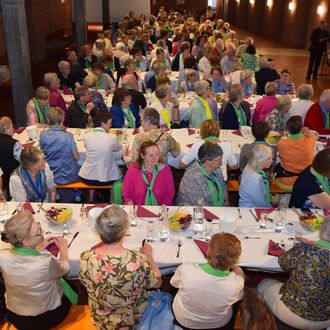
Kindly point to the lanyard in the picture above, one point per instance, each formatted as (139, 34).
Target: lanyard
(214, 186)
(322, 243)
(42, 115)
(82, 107)
(240, 114)
(165, 113)
(38, 187)
(281, 123)
(260, 142)
(26, 251)
(128, 115)
(266, 185)
(207, 108)
(100, 82)
(88, 64)
(99, 129)
(150, 197)
(295, 136)
(324, 181)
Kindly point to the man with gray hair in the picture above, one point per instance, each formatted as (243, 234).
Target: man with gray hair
(241, 49)
(68, 84)
(264, 75)
(318, 115)
(129, 82)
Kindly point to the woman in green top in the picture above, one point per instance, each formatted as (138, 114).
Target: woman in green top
(34, 295)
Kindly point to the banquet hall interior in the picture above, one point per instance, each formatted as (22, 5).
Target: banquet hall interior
(206, 205)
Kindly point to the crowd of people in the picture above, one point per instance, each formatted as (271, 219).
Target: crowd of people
(211, 63)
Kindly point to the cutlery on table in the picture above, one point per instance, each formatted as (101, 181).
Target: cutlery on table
(179, 247)
(17, 208)
(239, 213)
(73, 238)
(39, 207)
(250, 237)
(254, 216)
(52, 233)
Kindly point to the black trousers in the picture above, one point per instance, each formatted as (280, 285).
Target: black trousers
(44, 321)
(314, 63)
(229, 326)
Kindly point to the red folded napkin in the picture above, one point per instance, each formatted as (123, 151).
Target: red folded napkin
(136, 131)
(203, 246)
(19, 130)
(28, 145)
(237, 132)
(268, 210)
(28, 207)
(96, 205)
(209, 215)
(326, 212)
(189, 145)
(191, 131)
(141, 212)
(274, 249)
(53, 249)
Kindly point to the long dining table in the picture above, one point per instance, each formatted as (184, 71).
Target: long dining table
(254, 240)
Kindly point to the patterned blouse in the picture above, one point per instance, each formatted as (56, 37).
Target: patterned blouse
(307, 291)
(117, 287)
(275, 121)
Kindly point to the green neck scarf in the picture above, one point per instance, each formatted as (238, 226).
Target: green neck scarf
(281, 123)
(259, 142)
(82, 107)
(67, 290)
(327, 119)
(100, 82)
(128, 115)
(295, 136)
(240, 114)
(213, 271)
(99, 129)
(322, 179)
(88, 64)
(211, 138)
(214, 186)
(266, 185)
(42, 116)
(150, 197)
(322, 243)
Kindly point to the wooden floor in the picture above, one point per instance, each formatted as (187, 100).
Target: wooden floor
(294, 59)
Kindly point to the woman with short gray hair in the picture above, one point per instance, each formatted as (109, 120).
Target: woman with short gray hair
(301, 106)
(37, 108)
(203, 179)
(188, 84)
(276, 118)
(33, 180)
(117, 283)
(200, 108)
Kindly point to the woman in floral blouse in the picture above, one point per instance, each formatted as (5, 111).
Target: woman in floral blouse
(117, 279)
(303, 301)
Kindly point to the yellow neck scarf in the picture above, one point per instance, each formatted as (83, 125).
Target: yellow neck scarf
(207, 108)
(165, 113)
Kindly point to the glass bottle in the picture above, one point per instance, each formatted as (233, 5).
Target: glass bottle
(199, 217)
(163, 224)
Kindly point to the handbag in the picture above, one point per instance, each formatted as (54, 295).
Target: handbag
(158, 314)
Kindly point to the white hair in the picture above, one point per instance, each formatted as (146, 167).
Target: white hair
(325, 96)
(258, 154)
(120, 46)
(325, 229)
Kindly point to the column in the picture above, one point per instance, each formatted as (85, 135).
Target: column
(79, 8)
(105, 14)
(18, 52)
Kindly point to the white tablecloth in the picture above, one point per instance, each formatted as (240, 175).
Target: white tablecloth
(254, 251)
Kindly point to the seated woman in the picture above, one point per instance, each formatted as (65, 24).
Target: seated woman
(124, 112)
(260, 130)
(210, 131)
(151, 131)
(160, 56)
(96, 98)
(311, 189)
(220, 280)
(236, 112)
(60, 149)
(265, 105)
(141, 62)
(158, 70)
(10, 151)
(188, 84)
(250, 58)
(33, 180)
(163, 103)
(296, 303)
(117, 283)
(130, 68)
(99, 168)
(285, 85)
(34, 296)
(204, 179)
(87, 59)
(247, 85)
(296, 153)
(200, 108)
(218, 82)
(254, 186)
(37, 108)
(178, 61)
(276, 118)
(104, 81)
(108, 63)
(148, 182)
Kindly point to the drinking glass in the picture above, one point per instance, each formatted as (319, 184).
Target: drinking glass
(263, 220)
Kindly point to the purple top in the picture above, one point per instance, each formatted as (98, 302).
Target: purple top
(135, 189)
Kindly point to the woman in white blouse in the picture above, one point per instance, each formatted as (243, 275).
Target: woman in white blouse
(34, 295)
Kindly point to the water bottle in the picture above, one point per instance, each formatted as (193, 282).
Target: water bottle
(280, 216)
(199, 218)
(163, 224)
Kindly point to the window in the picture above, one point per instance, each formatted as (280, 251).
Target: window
(212, 3)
